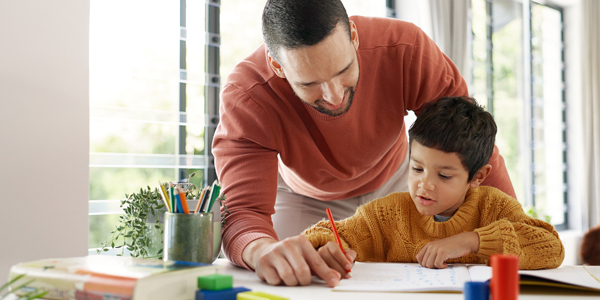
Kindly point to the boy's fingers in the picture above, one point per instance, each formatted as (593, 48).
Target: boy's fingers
(334, 257)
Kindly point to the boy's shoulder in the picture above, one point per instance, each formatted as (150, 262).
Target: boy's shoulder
(489, 195)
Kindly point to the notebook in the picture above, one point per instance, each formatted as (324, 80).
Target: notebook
(411, 277)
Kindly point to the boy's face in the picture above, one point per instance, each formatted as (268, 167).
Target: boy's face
(437, 181)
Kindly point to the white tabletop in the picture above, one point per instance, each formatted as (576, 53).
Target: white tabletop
(245, 278)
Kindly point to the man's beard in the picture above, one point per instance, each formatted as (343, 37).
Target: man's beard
(334, 113)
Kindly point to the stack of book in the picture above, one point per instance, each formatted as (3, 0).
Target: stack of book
(111, 277)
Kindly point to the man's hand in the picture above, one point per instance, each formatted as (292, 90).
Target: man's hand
(335, 258)
(292, 262)
(435, 254)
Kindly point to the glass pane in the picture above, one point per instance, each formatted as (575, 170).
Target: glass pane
(100, 229)
(372, 8)
(136, 84)
(548, 134)
(134, 53)
(480, 46)
(508, 106)
(114, 183)
(241, 31)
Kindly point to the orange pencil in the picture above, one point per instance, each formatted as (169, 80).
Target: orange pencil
(335, 233)
(183, 200)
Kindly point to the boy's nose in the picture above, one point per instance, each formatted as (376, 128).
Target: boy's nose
(426, 185)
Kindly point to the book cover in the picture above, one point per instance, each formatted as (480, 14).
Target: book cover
(411, 277)
(112, 277)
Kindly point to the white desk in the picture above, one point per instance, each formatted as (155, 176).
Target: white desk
(245, 278)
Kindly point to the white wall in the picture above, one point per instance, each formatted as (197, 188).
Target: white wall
(44, 177)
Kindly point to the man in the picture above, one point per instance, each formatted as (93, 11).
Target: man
(314, 119)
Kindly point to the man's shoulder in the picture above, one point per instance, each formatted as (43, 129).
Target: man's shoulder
(251, 71)
(378, 31)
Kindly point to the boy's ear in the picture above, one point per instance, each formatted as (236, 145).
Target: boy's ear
(480, 176)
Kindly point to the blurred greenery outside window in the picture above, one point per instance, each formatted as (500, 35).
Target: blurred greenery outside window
(518, 73)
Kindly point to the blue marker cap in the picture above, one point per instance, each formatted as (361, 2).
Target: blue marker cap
(475, 290)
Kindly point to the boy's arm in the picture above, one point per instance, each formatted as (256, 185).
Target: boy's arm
(535, 242)
(355, 233)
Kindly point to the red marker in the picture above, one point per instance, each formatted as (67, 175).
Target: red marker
(335, 233)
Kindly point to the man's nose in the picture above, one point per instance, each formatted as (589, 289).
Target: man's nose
(333, 92)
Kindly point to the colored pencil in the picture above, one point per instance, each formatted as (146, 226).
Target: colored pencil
(335, 233)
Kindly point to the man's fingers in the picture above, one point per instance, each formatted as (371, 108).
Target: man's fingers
(299, 271)
(267, 272)
(318, 265)
(283, 263)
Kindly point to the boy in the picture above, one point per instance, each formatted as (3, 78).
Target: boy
(446, 217)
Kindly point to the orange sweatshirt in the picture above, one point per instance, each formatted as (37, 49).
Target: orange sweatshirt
(391, 229)
(265, 129)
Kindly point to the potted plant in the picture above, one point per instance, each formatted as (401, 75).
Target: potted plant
(140, 229)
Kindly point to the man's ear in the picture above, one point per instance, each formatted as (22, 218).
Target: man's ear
(480, 176)
(275, 66)
(354, 35)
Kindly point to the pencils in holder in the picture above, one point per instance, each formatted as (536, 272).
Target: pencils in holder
(175, 198)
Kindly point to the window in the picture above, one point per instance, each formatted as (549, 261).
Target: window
(154, 88)
(518, 71)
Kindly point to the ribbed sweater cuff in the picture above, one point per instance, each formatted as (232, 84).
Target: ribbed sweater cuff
(489, 241)
(240, 245)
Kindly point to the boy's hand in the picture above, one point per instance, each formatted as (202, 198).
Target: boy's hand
(435, 254)
(335, 259)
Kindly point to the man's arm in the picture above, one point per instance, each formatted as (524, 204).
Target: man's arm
(245, 146)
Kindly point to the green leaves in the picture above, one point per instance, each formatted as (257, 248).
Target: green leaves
(133, 224)
(34, 294)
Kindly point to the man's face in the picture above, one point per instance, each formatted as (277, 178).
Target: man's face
(437, 181)
(323, 75)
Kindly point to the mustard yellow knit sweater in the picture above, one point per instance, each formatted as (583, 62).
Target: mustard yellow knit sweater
(391, 229)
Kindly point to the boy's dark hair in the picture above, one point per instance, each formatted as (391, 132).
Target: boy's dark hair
(457, 125)
(295, 23)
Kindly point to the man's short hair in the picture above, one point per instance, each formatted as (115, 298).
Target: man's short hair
(296, 23)
(457, 125)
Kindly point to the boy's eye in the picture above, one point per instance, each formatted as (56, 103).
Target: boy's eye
(445, 176)
(417, 169)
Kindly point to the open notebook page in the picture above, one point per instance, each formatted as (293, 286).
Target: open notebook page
(402, 277)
